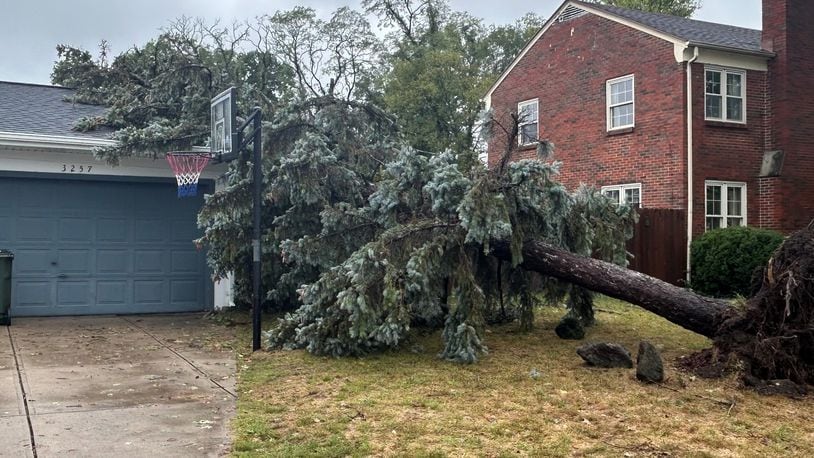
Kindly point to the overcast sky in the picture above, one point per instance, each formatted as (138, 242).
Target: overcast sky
(31, 29)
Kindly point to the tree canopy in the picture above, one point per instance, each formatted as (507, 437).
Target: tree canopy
(440, 65)
(683, 8)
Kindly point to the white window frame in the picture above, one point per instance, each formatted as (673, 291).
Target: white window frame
(522, 123)
(724, 95)
(609, 106)
(725, 185)
(622, 188)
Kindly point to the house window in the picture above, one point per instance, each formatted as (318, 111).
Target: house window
(620, 102)
(630, 194)
(528, 118)
(725, 95)
(726, 204)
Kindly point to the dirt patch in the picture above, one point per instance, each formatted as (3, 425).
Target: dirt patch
(708, 363)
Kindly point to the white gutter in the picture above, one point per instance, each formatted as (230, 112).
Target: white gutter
(689, 157)
(764, 54)
(52, 142)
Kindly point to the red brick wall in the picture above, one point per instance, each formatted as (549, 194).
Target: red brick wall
(790, 34)
(728, 151)
(770, 192)
(567, 70)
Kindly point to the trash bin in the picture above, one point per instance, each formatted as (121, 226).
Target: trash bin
(5, 285)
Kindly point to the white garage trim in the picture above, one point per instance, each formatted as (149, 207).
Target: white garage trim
(30, 155)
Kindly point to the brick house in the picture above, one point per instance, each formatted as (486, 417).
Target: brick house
(674, 113)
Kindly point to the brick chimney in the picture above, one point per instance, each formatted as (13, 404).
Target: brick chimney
(788, 31)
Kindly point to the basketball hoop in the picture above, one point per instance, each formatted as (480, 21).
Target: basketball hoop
(187, 167)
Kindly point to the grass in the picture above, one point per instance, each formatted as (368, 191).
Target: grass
(410, 403)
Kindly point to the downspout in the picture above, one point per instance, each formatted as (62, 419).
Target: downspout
(689, 158)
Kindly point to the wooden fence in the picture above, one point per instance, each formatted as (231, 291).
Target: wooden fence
(659, 244)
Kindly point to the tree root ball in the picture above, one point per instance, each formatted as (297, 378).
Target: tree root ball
(774, 336)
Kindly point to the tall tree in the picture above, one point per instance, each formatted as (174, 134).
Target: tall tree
(335, 58)
(504, 42)
(683, 8)
(441, 64)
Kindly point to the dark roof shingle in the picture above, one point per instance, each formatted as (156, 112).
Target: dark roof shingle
(697, 32)
(38, 109)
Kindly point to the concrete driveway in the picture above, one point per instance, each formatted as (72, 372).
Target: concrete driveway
(152, 385)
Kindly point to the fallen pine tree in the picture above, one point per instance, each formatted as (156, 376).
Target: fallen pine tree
(440, 245)
(773, 335)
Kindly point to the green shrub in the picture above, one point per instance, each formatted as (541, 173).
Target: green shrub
(723, 260)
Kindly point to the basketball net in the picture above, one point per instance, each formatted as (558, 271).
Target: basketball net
(187, 168)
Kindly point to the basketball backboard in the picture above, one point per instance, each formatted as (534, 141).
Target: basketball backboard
(224, 110)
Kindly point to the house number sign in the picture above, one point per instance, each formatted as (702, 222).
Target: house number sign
(76, 168)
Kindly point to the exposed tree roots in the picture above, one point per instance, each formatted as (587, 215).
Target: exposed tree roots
(774, 336)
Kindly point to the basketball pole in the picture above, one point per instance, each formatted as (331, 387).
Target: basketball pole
(256, 120)
(257, 168)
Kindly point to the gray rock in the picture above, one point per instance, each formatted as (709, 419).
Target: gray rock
(649, 367)
(606, 355)
(570, 328)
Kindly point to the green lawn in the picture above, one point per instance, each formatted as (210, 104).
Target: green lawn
(410, 403)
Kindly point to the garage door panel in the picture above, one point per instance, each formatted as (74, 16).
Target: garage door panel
(112, 292)
(150, 231)
(76, 230)
(35, 229)
(149, 261)
(36, 197)
(149, 291)
(112, 262)
(184, 262)
(74, 293)
(9, 193)
(184, 231)
(29, 262)
(77, 197)
(112, 198)
(182, 291)
(112, 230)
(32, 294)
(146, 202)
(76, 261)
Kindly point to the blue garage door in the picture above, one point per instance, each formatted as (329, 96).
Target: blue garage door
(97, 247)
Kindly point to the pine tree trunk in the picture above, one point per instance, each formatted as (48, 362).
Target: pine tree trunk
(683, 307)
